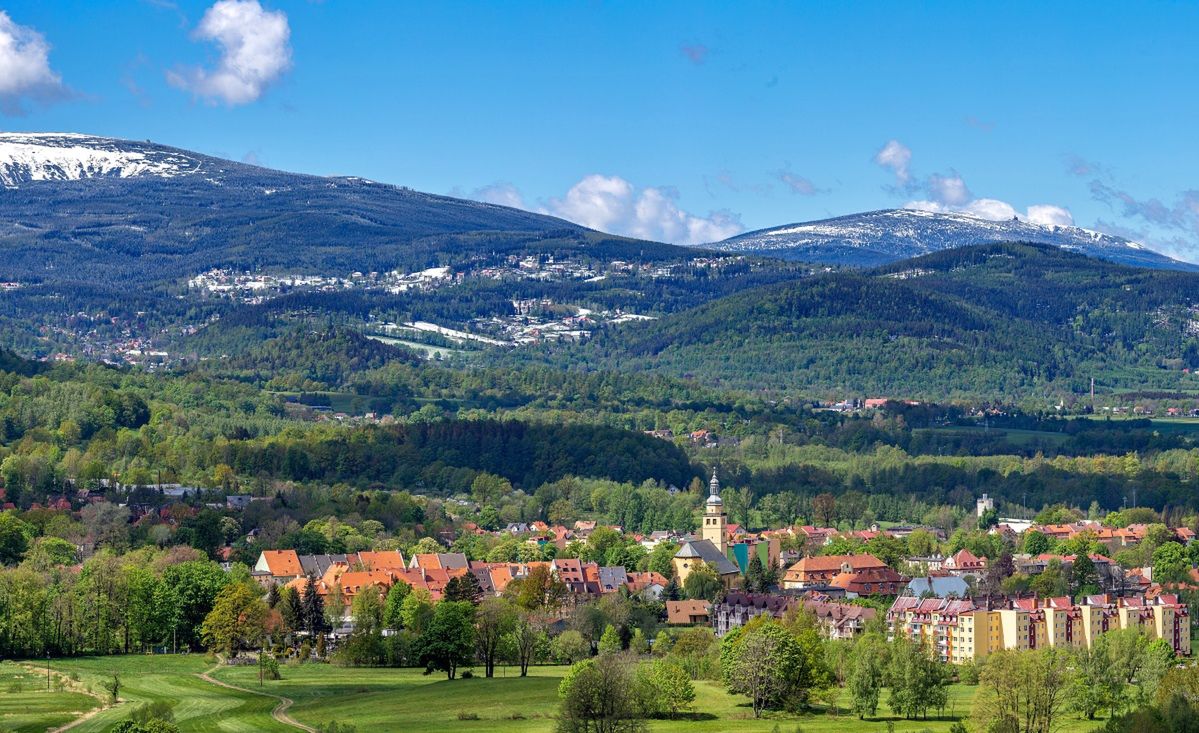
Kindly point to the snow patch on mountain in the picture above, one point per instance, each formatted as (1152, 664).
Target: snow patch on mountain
(880, 237)
(26, 157)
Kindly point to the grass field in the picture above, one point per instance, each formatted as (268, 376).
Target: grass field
(26, 704)
(397, 700)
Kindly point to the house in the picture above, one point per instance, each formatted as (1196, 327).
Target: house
(688, 613)
(838, 620)
(279, 566)
(884, 581)
(439, 561)
(964, 563)
(238, 501)
(737, 608)
(649, 584)
(819, 570)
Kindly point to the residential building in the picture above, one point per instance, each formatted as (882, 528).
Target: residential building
(688, 613)
(815, 571)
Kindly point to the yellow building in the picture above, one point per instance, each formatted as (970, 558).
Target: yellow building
(958, 631)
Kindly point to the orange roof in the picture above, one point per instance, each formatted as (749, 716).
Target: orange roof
(682, 612)
(282, 563)
(829, 563)
(354, 581)
(427, 561)
(383, 560)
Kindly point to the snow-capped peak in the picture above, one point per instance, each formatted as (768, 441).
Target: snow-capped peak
(879, 237)
(46, 156)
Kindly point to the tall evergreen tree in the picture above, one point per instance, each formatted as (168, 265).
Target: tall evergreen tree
(313, 609)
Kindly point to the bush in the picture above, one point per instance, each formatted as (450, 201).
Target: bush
(158, 710)
(270, 668)
(463, 715)
(468, 674)
(968, 674)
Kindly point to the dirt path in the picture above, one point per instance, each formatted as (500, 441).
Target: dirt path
(280, 711)
(70, 684)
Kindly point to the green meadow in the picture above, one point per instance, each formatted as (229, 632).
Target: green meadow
(383, 700)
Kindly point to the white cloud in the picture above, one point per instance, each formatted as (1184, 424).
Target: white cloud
(255, 52)
(996, 210)
(503, 194)
(897, 157)
(949, 193)
(24, 66)
(950, 189)
(1050, 215)
(612, 204)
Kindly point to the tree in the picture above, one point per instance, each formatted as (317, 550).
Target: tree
(392, 616)
(702, 583)
(494, 618)
(569, 647)
(918, 682)
(1095, 683)
(50, 552)
(416, 610)
(449, 640)
(528, 640)
(1170, 564)
(664, 688)
(867, 671)
(464, 588)
(107, 524)
(1083, 576)
(365, 644)
(824, 507)
(755, 575)
(540, 590)
(1036, 543)
(598, 696)
(763, 661)
(236, 621)
(1023, 691)
(291, 609)
(609, 643)
(15, 535)
(313, 609)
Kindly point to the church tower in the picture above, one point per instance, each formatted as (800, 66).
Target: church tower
(714, 519)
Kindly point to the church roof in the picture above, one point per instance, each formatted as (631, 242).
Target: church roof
(709, 553)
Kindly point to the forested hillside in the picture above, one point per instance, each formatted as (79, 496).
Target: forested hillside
(1011, 320)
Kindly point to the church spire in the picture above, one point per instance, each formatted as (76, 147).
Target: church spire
(714, 486)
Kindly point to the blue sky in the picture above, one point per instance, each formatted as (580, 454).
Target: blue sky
(682, 121)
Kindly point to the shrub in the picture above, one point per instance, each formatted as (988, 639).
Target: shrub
(463, 715)
(270, 668)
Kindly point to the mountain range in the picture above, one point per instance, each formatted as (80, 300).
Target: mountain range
(89, 209)
(879, 237)
(999, 319)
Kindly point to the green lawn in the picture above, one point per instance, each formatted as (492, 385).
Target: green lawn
(406, 700)
(199, 705)
(26, 705)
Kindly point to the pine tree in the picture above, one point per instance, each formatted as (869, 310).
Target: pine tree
(754, 575)
(272, 596)
(464, 588)
(313, 609)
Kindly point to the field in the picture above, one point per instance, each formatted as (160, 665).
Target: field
(380, 700)
(26, 705)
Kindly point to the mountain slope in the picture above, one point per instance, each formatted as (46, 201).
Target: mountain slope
(999, 321)
(879, 237)
(87, 209)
